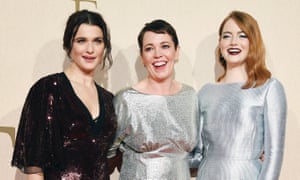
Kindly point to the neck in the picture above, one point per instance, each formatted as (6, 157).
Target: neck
(79, 77)
(235, 74)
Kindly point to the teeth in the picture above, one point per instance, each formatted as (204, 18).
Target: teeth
(234, 50)
(161, 63)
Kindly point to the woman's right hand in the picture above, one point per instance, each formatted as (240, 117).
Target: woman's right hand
(146, 147)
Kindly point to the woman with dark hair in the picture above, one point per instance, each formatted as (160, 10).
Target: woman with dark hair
(157, 116)
(244, 113)
(68, 121)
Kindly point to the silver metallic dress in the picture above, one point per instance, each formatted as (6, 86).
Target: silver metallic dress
(236, 127)
(167, 120)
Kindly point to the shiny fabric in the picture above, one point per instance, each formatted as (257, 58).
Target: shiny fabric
(236, 127)
(167, 120)
(57, 135)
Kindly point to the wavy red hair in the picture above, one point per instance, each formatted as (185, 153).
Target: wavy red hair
(256, 68)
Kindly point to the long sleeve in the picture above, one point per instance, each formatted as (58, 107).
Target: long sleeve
(196, 155)
(274, 131)
(121, 112)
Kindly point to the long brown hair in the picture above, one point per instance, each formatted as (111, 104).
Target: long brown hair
(256, 68)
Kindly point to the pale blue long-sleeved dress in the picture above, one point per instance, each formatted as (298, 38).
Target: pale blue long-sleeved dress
(237, 125)
(167, 120)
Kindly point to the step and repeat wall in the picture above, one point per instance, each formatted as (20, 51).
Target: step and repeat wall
(31, 46)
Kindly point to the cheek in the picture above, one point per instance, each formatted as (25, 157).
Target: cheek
(174, 55)
(73, 54)
(75, 51)
(222, 49)
(100, 54)
(247, 46)
(221, 46)
(100, 49)
(145, 59)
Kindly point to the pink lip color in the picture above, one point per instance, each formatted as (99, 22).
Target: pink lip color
(89, 59)
(160, 68)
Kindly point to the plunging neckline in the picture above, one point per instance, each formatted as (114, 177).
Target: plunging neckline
(84, 107)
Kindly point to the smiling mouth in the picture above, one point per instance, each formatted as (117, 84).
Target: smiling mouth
(234, 51)
(159, 64)
(89, 59)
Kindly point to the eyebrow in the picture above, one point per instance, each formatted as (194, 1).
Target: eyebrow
(83, 37)
(164, 42)
(229, 32)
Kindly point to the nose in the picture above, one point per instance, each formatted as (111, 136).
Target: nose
(234, 40)
(157, 53)
(90, 48)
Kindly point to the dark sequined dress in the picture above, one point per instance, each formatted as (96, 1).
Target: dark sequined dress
(58, 136)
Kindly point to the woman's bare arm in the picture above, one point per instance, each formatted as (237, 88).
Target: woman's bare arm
(37, 176)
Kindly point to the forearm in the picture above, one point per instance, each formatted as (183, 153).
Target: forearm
(36, 176)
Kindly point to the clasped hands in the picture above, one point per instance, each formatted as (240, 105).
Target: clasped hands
(146, 147)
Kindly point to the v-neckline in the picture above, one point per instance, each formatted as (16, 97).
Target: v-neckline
(84, 107)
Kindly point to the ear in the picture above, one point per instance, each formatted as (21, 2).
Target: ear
(142, 60)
